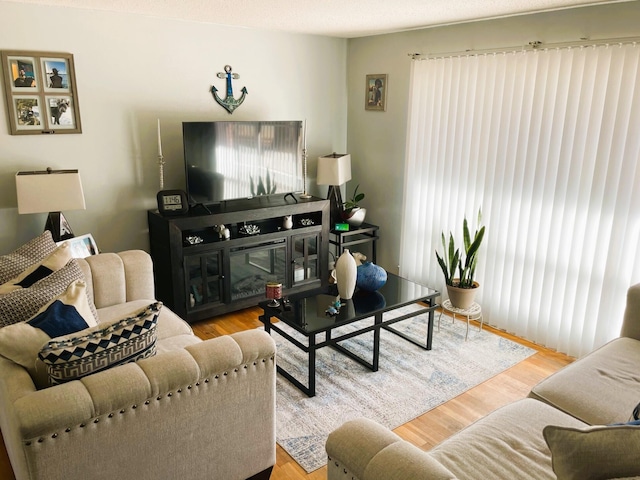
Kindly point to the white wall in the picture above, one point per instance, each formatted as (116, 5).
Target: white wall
(132, 70)
(376, 140)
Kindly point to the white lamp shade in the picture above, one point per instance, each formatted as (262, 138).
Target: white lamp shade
(334, 169)
(49, 191)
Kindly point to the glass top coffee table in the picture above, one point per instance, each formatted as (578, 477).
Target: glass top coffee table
(306, 315)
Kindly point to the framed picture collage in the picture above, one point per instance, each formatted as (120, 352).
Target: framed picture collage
(41, 92)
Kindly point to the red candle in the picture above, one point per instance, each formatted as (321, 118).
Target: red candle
(274, 293)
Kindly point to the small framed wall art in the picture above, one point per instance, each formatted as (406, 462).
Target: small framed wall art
(376, 93)
(41, 92)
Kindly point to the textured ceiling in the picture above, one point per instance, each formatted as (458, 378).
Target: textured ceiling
(338, 18)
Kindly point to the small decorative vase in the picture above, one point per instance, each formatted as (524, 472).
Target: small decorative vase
(370, 277)
(287, 223)
(346, 275)
(355, 216)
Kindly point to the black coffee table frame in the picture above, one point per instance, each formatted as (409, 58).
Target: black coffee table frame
(329, 324)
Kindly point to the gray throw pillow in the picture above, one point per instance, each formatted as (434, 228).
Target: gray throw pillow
(594, 453)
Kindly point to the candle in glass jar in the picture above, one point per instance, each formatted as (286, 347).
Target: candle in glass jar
(274, 290)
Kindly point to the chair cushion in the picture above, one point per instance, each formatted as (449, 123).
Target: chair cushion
(507, 443)
(600, 389)
(169, 324)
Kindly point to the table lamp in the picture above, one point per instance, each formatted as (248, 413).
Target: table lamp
(51, 191)
(334, 170)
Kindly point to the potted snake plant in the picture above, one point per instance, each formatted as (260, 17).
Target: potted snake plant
(461, 289)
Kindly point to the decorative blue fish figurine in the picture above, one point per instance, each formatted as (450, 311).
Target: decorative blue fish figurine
(334, 308)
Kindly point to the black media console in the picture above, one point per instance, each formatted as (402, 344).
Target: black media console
(200, 272)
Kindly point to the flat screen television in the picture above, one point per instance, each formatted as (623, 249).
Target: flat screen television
(229, 160)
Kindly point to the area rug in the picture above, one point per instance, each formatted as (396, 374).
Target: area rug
(409, 382)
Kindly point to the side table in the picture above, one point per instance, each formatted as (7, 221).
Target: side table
(365, 233)
(474, 312)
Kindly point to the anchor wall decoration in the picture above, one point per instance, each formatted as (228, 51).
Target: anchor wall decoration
(229, 103)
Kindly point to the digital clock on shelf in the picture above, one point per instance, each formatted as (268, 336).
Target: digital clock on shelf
(172, 202)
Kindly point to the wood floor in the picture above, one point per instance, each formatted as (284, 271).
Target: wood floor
(426, 430)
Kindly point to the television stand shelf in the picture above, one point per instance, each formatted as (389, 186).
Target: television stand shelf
(200, 274)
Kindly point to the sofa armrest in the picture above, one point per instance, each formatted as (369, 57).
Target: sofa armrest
(366, 450)
(631, 323)
(211, 400)
(115, 278)
(122, 387)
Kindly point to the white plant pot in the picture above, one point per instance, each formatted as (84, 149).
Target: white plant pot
(356, 216)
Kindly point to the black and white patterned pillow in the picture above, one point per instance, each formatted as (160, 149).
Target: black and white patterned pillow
(39, 270)
(14, 263)
(99, 348)
(20, 305)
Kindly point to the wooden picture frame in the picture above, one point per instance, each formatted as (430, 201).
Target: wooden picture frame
(376, 92)
(41, 92)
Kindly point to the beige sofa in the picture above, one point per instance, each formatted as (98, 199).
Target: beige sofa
(195, 410)
(563, 430)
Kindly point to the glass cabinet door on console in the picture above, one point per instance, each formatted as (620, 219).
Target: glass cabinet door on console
(252, 267)
(305, 258)
(204, 278)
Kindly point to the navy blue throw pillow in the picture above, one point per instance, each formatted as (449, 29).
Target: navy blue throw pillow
(59, 319)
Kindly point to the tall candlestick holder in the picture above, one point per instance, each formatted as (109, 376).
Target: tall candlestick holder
(161, 168)
(304, 172)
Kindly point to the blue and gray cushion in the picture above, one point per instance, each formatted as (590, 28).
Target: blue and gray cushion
(102, 347)
(67, 313)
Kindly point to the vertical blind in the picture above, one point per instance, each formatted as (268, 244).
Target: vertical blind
(546, 143)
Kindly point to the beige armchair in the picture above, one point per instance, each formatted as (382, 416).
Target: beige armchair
(195, 410)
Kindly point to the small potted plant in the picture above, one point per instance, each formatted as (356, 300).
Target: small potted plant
(462, 289)
(352, 212)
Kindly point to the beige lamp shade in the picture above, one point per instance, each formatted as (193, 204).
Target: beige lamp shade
(334, 169)
(49, 191)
